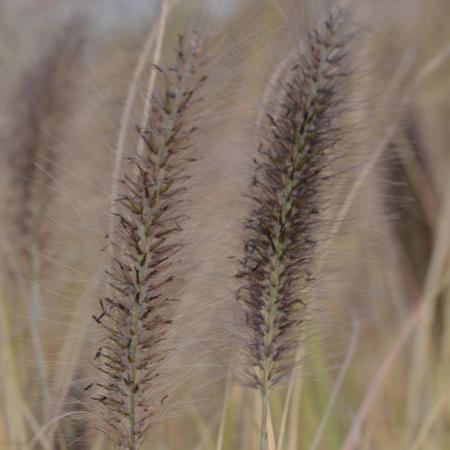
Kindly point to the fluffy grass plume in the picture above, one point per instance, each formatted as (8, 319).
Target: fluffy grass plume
(42, 102)
(45, 96)
(137, 314)
(281, 231)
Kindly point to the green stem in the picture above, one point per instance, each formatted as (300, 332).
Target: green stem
(264, 414)
(268, 342)
(133, 386)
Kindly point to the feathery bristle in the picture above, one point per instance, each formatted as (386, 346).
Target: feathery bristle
(281, 229)
(137, 316)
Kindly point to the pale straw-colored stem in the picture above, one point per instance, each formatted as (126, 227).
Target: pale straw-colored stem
(271, 85)
(423, 338)
(353, 437)
(226, 399)
(41, 432)
(337, 386)
(155, 34)
(424, 333)
(288, 401)
(165, 5)
(367, 169)
(11, 394)
(434, 416)
(395, 83)
(433, 287)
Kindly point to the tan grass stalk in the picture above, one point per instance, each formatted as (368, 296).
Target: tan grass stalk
(294, 418)
(337, 386)
(155, 34)
(10, 375)
(395, 83)
(165, 8)
(51, 423)
(433, 417)
(65, 374)
(223, 416)
(288, 404)
(434, 285)
(353, 436)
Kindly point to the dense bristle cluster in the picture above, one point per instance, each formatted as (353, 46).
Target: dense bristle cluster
(138, 313)
(281, 231)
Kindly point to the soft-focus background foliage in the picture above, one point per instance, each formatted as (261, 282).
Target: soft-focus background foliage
(376, 364)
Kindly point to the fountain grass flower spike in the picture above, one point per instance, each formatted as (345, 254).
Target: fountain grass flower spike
(282, 227)
(137, 316)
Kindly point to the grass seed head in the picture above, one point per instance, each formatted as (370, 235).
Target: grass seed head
(137, 316)
(281, 231)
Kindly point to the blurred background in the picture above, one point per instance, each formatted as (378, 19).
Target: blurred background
(376, 360)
